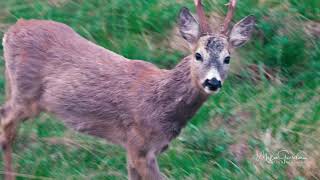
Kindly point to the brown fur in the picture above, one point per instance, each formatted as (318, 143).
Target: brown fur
(51, 68)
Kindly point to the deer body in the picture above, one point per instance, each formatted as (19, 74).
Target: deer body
(50, 68)
(92, 89)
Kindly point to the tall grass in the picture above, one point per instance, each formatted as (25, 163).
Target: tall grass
(223, 139)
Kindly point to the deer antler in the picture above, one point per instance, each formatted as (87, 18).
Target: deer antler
(204, 26)
(231, 8)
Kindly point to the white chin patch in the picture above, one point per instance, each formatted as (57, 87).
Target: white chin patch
(208, 91)
(4, 41)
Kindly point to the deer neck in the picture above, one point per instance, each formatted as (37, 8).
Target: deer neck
(179, 97)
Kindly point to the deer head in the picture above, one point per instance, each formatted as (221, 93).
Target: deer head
(211, 51)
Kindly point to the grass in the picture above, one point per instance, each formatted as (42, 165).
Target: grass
(224, 139)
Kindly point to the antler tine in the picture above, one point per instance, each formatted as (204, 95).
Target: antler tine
(231, 8)
(204, 26)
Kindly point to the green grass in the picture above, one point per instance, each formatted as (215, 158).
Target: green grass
(253, 116)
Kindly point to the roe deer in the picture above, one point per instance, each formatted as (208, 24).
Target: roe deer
(50, 68)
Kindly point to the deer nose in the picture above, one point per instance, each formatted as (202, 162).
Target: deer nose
(213, 84)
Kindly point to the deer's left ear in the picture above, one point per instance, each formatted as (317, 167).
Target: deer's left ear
(188, 26)
(241, 32)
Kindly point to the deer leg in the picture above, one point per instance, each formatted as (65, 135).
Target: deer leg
(143, 166)
(132, 172)
(7, 158)
(9, 118)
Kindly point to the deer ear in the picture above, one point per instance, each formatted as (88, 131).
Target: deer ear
(188, 26)
(241, 32)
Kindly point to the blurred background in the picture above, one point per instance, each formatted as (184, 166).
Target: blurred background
(265, 123)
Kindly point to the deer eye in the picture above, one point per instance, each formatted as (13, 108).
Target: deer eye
(198, 57)
(226, 60)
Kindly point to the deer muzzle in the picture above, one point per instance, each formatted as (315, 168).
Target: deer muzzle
(213, 84)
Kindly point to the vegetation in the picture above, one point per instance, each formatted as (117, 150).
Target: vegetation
(270, 103)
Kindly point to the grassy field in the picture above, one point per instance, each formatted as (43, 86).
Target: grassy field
(269, 104)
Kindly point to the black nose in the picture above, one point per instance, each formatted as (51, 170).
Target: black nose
(213, 84)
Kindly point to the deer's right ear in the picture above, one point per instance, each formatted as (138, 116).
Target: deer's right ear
(188, 26)
(241, 32)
